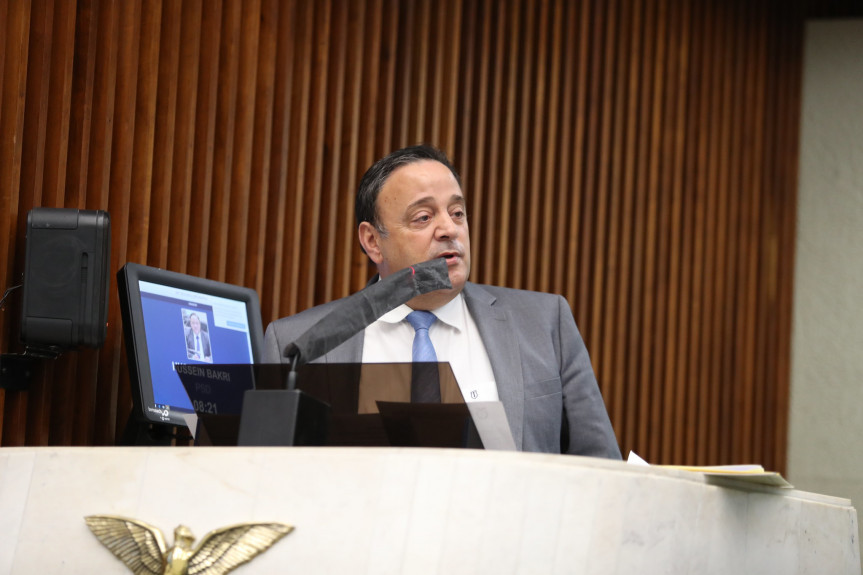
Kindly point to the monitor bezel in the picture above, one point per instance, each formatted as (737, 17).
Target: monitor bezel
(138, 357)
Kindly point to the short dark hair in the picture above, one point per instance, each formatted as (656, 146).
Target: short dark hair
(365, 208)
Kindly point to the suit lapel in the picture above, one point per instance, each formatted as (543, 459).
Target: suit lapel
(501, 344)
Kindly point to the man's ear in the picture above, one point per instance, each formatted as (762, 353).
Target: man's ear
(370, 240)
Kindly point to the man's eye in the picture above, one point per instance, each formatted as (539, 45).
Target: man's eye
(458, 214)
(422, 219)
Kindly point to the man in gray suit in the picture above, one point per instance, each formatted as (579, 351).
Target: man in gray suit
(197, 341)
(517, 346)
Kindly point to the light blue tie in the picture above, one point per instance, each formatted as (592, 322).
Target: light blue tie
(423, 349)
(425, 381)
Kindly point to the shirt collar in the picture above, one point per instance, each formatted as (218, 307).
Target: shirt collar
(451, 313)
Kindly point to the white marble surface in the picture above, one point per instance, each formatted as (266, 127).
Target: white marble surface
(419, 511)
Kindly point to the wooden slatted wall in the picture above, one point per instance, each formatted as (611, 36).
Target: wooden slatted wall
(637, 156)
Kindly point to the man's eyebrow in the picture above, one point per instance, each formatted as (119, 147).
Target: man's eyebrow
(421, 202)
(454, 199)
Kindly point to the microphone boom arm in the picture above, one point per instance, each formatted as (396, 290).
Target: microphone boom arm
(356, 312)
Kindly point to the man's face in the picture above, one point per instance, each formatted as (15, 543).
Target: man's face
(195, 323)
(422, 211)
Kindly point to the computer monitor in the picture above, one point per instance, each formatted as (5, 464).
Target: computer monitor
(171, 318)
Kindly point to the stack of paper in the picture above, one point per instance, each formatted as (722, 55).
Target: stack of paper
(750, 473)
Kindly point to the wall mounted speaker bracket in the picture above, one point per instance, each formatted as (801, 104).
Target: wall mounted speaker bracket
(16, 371)
(65, 288)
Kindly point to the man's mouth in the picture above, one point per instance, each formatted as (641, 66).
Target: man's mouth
(450, 257)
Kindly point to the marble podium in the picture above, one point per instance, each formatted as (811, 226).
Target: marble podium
(388, 510)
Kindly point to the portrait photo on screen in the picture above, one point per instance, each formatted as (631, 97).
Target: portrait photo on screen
(197, 332)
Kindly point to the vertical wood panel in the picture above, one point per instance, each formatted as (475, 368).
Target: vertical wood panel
(652, 335)
(390, 50)
(274, 253)
(540, 115)
(297, 153)
(370, 127)
(145, 70)
(636, 367)
(475, 132)
(205, 130)
(7, 224)
(215, 244)
(240, 192)
(637, 157)
(548, 161)
(112, 399)
(57, 140)
(508, 118)
(346, 249)
(625, 401)
(186, 80)
(684, 431)
(617, 229)
(791, 73)
(166, 135)
(563, 182)
(13, 71)
(595, 265)
(669, 229)
(36, 118)
(332, 160)
(452, 82)
(321, 52)
(419, 23)
(85, 31)
(254, 261)
(113, 374)
(706, 257)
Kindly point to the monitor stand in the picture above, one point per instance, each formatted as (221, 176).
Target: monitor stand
(147, 433)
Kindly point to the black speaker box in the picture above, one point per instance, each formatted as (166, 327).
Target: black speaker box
(65, 302)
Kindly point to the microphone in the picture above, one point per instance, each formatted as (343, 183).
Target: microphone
(274, 417)
(356, 312)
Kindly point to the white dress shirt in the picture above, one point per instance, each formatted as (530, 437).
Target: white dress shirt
(456, 340)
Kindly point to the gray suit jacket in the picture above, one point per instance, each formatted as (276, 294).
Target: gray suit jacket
(541, 366)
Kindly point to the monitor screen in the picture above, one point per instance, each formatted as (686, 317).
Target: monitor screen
(171, 318)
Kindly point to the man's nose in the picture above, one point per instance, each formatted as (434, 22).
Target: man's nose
(447, 227)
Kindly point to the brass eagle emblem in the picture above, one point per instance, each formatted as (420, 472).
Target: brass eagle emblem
(142, 547)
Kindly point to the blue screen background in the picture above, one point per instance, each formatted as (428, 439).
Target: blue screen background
(166, 345)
